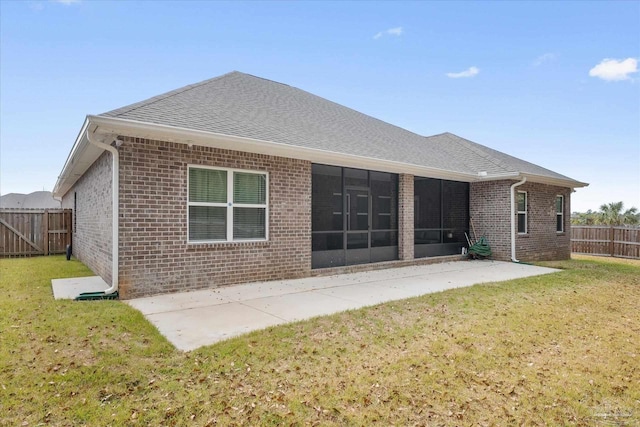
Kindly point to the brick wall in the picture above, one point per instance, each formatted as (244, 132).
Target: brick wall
(405, 223)
(92, 216)
(155, 256)
(489, 209)
(542, 242)
(489, 214)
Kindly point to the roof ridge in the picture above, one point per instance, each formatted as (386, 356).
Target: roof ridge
(435, 139)
(473, 146)
(337, 104)
(262, 78)
(144, 103)
(157, 98)
(358, 112)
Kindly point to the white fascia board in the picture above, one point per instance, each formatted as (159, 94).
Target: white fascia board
(540, 179)
(134, 128)
(84, 154)
(499, 177)
(558, 182)
(75, 154)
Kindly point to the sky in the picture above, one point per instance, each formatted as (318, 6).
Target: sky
(554, 83)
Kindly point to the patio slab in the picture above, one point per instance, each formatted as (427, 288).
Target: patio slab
(301, 305)
(74, 286)
(194, 319)
(180, 301)
(368, 293)
(189, 329)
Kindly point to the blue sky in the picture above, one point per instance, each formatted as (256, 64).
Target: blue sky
(555, 83)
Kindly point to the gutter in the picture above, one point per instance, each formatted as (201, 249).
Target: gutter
(111, 292)
(68, 164)
(513, 218)
(80, 159)
(148, 130)
(183, 135)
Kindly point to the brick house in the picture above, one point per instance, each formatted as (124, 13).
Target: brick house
(239, 179)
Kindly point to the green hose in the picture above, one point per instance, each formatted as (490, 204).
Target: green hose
(91, 296)
(480, 248)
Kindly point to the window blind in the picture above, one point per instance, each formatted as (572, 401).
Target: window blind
(249, 223)
(207, 185)
(216, 214)
(207, 223)
(249, 188)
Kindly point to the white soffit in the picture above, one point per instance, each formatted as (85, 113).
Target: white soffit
(83, 154)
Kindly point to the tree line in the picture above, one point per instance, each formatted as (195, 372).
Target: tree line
(612, 214)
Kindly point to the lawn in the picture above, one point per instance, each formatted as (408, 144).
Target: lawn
(560, 349)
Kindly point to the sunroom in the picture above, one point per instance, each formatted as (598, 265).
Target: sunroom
(355, 216)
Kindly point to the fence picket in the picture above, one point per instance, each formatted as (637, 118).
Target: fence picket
(622, 242)
(28, 232)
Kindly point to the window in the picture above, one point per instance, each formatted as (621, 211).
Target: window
(326, 213)
(522, 212)
(384, 209)
(441, 214)
(227, 205)
(354, 216)
(75, 212)
(559, 214)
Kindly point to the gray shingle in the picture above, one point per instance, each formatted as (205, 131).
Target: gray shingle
(242, 105)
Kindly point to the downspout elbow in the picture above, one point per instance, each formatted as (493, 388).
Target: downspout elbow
(115, 186)
(513, 220)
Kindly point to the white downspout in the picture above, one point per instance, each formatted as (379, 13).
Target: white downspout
(513, 219)
(115, 186)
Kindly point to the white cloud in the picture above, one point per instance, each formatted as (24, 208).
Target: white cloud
(544, 58)
(36, 6)
(397, 31)
(614, 69)
(472, 71)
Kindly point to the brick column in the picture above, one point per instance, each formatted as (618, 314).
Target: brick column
(405, 217)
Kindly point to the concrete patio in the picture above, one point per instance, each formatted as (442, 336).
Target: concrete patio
(71, 287)
(194, 319)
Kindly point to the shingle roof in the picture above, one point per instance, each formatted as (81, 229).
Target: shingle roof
(243, 105)
(35, 200)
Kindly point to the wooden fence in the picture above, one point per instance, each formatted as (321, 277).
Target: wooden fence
(28, 232)
(623, 242)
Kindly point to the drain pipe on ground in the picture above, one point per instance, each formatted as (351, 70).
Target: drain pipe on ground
(111, 292)
(513, 219)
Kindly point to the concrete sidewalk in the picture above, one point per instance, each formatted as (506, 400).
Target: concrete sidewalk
(194, 319)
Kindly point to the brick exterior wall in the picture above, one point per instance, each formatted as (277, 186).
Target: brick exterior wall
(542, 242)
(91, 242)
(155, 256)
(489, 213)
(489, 209)
(405, 223)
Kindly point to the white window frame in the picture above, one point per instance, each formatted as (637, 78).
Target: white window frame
(559, 214)
(524, 212)
(230, 205)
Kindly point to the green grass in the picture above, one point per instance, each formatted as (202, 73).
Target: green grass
(561, 349)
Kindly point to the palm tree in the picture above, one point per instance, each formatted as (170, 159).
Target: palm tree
(584, 218)
(613, 214)
(631, 216)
